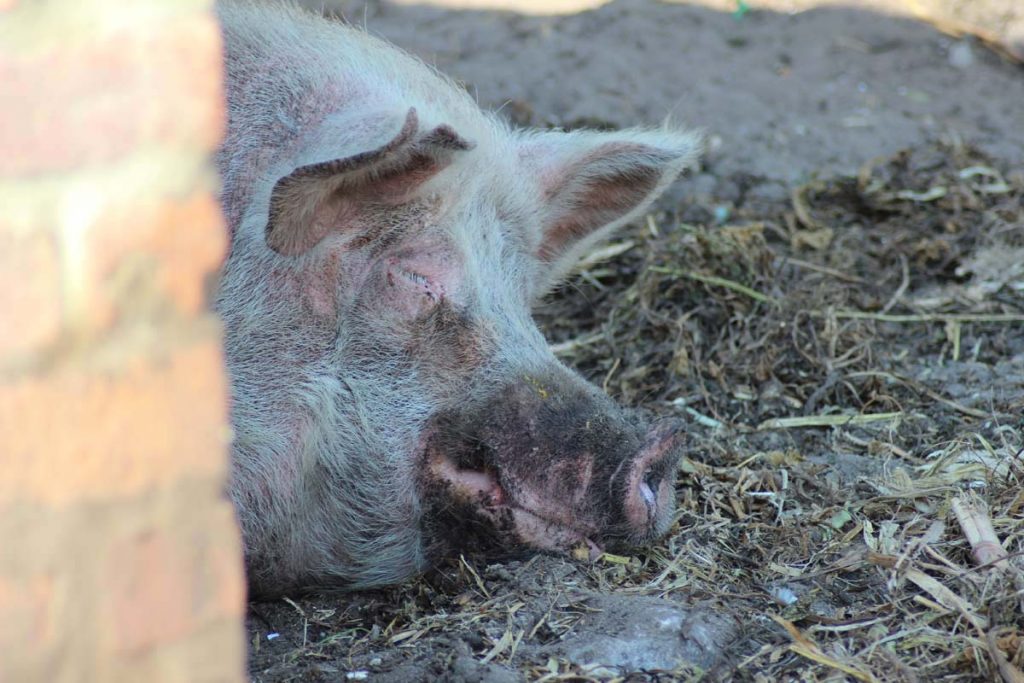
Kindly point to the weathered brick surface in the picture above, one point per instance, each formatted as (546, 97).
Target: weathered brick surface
(82, 433)
(114, 591)
(29, 295)
(182, 575)
(167, 246)
(61, 121)
(119, 554)
(27, 626)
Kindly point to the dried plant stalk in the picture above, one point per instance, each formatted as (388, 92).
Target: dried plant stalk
(977, 526)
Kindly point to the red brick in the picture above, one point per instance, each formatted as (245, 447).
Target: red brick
(139, 260)
(147, 577)
(80, 434)
(89, 104)
(145, 258)
(30, 310)
(126, 561)
(161, 585)
(26, 605)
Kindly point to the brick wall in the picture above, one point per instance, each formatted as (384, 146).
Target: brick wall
(119, 556)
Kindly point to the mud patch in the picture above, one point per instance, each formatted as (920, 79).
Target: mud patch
(622, 634)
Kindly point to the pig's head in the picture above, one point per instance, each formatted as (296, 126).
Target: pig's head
(382, 344)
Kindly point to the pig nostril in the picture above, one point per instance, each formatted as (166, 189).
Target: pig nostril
(648, 502)
(653, 477)
(648, 485)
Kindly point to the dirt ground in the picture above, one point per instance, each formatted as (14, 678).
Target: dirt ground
(834, 302)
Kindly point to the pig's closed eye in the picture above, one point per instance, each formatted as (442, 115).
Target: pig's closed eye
(415, 284)
(416, 278)
(420, 282)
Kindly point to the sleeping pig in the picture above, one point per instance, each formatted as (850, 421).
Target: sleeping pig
(393, 401)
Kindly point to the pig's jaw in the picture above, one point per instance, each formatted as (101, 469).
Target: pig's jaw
(531, 528)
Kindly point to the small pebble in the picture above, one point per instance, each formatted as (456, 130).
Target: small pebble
(961, 56)
(784, 595)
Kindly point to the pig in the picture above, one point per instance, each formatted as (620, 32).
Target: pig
(393, 401)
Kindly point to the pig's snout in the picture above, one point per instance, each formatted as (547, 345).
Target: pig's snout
(550, 464)
(648, 501)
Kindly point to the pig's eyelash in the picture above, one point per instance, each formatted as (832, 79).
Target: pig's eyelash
(420, 280)
(415, 277)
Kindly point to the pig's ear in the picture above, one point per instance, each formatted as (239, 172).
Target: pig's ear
(336, 195)
(592, 183)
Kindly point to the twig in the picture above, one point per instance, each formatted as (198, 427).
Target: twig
(606, 252)
(571, 345)
(807, 648)
(892, 448)
(715, 280)
(825, 420)
(923, 317)
(798, 197)
(837, 274)
(931, 393)
(902, 289)
(305, 620)
(700, 418)
(1007, 671)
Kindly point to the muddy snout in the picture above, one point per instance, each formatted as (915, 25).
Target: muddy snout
(648, 500)
(550, 462)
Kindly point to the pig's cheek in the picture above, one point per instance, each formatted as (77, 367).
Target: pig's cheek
(330, 283)
(353, 282)
(320, 301)
(317, 285)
